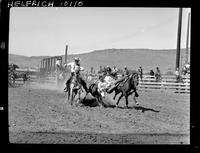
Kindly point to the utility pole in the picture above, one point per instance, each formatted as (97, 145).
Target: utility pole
(187, 42)
(179, 39)
(66, 54)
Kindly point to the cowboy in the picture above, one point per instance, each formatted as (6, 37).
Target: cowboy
(114, 70)
(126, 72)
(107, 79)
(76, 68)
(101, 84)
(111, 82)
(108, 70)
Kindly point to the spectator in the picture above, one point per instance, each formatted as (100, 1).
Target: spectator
(178, 76)
(152, 73)
(126, 72)
(114, 70)
(140, 72)
(158, 74)
(108, 70)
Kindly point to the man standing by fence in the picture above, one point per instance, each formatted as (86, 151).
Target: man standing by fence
(125, 72)
(158, 74)
(178, 76)
(140, 72)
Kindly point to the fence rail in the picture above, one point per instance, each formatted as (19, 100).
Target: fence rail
(168, 83)
(148, 83)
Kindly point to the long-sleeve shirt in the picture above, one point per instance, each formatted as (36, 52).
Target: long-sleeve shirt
(101, 86)
(75, 67)
(58, 62)
(109, 81)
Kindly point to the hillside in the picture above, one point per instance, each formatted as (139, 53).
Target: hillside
(24, 61)
(132, 58)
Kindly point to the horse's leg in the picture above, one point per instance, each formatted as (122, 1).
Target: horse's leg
(72, 99)
(85, 95)
(134, 98)
(76, 93)
(119, 99)
(126, 98)
(72, 96)
(99, 99)
(136, 93)
(14, 80)
(79, 96)
(69, 92)
(116, 93)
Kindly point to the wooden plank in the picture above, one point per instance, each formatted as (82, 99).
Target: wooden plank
(166, 76)
(159, 90)
(164, 83)
(165, 88)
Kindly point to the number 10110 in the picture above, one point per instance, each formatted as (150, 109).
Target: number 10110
(71, 3)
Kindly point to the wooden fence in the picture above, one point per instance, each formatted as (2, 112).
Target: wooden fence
(168, 83)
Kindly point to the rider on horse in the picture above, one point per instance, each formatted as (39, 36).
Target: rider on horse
(109, 82)
(75, 68)
(126, 72)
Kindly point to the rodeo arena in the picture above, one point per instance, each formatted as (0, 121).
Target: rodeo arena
(61, 103)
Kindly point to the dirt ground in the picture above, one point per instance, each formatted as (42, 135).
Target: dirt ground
(40, 113)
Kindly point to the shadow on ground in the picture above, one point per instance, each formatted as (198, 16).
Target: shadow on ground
(93, 103)
(145, 109)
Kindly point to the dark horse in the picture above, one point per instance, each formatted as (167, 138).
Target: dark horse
(23, 75)
(13, 74)
(126, 87)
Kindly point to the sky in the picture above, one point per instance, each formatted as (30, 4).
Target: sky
(46, 31)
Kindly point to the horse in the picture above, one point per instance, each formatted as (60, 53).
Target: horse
(75, 86)
(126, 87)
(75, 89)
(12, 67)
(15, 75)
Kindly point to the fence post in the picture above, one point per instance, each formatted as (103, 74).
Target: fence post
(186, 83)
